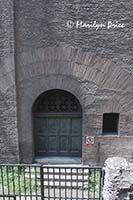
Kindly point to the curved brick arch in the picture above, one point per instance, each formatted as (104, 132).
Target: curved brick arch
(42, 84)
(73, 62)
(85, 68)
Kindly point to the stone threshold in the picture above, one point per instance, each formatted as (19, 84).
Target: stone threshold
(58, 160)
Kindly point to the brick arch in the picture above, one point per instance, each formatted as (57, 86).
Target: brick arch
(42, 84)
(93, 73)
(73, 62)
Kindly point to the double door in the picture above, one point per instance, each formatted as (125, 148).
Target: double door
(58, 135)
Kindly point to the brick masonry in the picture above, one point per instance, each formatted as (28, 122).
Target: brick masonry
(95, 66)
(8, 115)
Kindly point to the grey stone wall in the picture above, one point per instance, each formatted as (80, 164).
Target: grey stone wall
(8, 121)
(118, 180)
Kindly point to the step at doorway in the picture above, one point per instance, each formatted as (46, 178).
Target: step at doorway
(58, 160)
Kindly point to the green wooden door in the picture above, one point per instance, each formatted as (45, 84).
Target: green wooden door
(58, 135)
(57, 120)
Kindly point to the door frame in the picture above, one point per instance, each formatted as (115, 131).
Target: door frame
(54, 114)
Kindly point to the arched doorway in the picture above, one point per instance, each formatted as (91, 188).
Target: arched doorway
(57, 124)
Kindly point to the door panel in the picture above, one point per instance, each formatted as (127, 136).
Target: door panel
(41, 145)
(64, 135)
(64, 126)
(40, 126)
(76, 126)
(52, 126)
(58, 136)
(63, 144)
(76, 136)
(52, 135)
(52, 142)
(75, 144)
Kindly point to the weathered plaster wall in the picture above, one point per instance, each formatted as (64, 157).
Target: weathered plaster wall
(8, 121)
